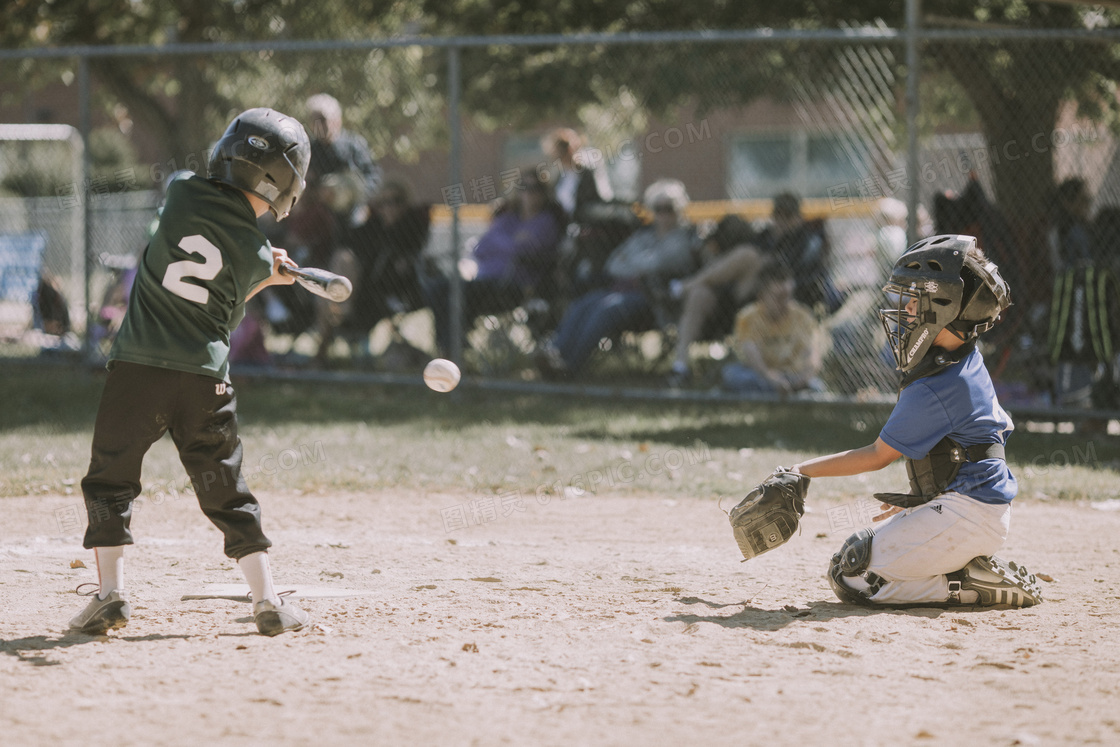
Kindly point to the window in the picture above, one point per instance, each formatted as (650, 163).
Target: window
(762, 165)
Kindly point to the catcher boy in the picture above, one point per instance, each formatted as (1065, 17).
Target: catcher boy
(169, 366)
(937, 543)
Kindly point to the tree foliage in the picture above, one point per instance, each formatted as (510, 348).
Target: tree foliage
(186, 100)
(397, 97)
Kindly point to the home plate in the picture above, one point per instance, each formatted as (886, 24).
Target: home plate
(240, 592)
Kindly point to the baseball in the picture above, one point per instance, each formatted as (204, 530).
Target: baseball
(441, 375)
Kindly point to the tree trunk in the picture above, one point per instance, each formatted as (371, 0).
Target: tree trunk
(1022, 161)
(1018, 108)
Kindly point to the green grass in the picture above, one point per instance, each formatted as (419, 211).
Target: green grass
(316, 438)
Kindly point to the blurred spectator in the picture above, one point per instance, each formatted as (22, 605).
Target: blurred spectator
(310, 235)
(731, 280)
(890, 235)
(777, 340)
(52, 312)
(388, 248)
(582, 180)
(517, 252)
(246, 341)
(971, 213)
(1106, 248)
(342, 177)
(313, 231)
(1069, 237)
(857, 335)
(123, 270)
(114, 302)
(648, 259)
(1019, 345)
(709, 299)
(802, 246)
(340, 160)
(1078, 343)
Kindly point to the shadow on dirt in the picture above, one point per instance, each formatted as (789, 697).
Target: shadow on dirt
(762, 619)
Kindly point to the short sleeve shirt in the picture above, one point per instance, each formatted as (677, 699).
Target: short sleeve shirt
(960, 402)
(782, 343)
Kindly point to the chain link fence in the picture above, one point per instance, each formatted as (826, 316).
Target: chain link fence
(630, 212)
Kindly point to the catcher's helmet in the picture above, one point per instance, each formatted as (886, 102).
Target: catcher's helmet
(947, 283)
(265, 153)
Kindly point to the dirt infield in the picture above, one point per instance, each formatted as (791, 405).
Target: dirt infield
(591, 620)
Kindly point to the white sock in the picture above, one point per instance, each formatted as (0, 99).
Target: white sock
(259, 575)
(110, 569)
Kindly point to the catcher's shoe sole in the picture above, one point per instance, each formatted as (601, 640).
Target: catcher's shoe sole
(997, 582)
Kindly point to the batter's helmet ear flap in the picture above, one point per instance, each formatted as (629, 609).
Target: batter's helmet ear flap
(265, 153)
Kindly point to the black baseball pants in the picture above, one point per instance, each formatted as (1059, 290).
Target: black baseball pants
(138, 405)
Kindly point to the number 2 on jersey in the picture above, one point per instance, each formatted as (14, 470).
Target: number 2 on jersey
(206, 270)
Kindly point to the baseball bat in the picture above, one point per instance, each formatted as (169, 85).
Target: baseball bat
(320, 282)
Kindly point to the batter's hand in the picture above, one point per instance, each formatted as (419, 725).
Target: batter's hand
(888, 511)
(280, 257)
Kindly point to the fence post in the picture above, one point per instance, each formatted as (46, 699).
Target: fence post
(455, 87)
(913, 165)
(82, 190)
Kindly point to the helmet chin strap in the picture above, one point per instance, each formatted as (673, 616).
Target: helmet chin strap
(958, 334)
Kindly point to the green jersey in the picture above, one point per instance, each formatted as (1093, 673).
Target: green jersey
(189, 292)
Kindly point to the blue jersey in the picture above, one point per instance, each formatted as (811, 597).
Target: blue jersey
(960, 402)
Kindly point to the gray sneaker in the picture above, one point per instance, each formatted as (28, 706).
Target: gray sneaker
(274, 620)
(995, 582)
(102, 615)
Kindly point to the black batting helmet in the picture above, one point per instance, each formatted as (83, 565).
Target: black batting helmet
(265, 153)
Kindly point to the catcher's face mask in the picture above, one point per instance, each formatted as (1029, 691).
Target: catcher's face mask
(907, 321)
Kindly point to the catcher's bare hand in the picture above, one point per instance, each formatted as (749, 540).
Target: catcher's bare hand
(888, 512)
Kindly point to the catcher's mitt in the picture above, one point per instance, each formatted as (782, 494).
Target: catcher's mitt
(768, 516)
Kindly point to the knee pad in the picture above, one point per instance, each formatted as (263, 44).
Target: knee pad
(844, 592)
(855, 553)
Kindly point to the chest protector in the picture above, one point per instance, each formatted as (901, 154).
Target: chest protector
(933, 473)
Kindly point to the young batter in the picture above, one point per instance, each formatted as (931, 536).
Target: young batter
(938, 544)
(169, 366)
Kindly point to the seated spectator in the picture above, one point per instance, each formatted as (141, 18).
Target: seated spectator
(649, 258)
(516, 253)
(800, 245)
(388, 248)
(731, 258)
(777, 340)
